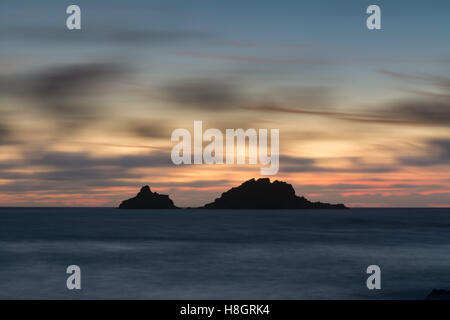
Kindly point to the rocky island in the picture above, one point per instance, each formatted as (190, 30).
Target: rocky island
(252, 194)
(263, 194)
(146, 199)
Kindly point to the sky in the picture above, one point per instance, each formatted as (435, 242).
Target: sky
(86, 115)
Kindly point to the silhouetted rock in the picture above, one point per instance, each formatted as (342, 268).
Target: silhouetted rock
(262, 194)
(437, 294)
(146, 199)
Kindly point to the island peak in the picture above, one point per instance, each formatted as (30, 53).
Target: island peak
(146, 199)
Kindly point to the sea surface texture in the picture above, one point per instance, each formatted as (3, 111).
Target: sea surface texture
(222, 254)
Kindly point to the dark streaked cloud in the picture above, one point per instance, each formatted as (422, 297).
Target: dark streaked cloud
(239, 58)
(63, 162)
(436, 152)
(5, 134)
(438, 81)
(70, 95)
(76, 160)
(112, 35)
(380, 199)
(291, 164)
(306, 61)
(75, 171)
(72, 79)
(307, 96)
(196, 184)
(149, 37)
(336, 188)
(428, 112)
(60, 89)
(433, 108)
(207, 93)
(150, 128)
(404, 112)
(346, 116)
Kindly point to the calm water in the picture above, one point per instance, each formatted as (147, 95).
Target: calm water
(191, 254)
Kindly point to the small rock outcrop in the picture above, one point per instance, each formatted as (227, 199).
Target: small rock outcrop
(437, 294)
(263, 194)
(146, 199)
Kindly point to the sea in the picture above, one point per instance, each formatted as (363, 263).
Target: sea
(223, 254)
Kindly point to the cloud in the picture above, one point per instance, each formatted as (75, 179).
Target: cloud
(392, 199)
(111, 35)
(377, 190)
(57, 87)
(250, 59)
(404, 112)
(69, 94)
(438, 81)
(62, 163)
(289, 164)
(77, 160)
(307, 96)
(432, 109)
(432, 112)
(5, 134)
(72, 79)
(149, 128)
(197, 184)
(75, 171)
(305, 61)
(437, 152)
(9, 135)
(154, 36)
(346, 116)
(208, 94)
(243, 44)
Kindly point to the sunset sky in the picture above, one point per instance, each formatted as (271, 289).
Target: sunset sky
(86, 115)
